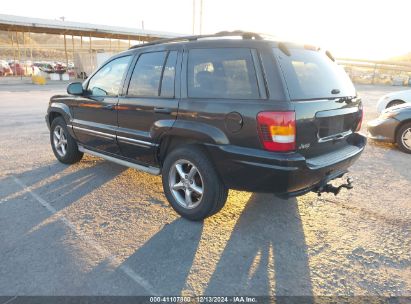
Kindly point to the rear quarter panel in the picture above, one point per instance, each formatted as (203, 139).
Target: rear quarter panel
(212, 115)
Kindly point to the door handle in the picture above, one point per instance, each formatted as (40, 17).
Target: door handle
(109, 107)
(162, 110)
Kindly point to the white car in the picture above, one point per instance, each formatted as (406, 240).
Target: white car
(393, 99)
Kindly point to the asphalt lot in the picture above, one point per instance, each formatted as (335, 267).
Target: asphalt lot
(96, 228)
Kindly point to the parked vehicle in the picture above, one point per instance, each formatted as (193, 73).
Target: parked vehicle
(5, 69)
(59, 68)
(34, 71)
(44, 67)
(393, 126)
(17, 68)
(215, 114)
(393, 99)
(71, 73)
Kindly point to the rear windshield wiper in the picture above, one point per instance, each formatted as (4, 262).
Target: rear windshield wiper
(346, 99)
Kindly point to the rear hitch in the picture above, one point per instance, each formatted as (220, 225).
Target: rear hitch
(328, 188)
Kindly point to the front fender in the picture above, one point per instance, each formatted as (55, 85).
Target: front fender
(62, 110)
(382, 104)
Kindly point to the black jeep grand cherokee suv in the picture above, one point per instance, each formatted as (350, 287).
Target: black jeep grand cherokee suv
(214, 114)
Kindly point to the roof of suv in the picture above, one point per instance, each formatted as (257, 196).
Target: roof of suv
(248, 38)
(223, 39)
(244, 35)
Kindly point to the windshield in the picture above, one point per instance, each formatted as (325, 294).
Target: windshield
(313, 75)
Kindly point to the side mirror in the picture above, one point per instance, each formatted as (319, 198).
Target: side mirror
(75, 88)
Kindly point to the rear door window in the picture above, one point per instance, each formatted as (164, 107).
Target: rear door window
(222, 73)
(311, 74)
(154, 75)
(145, 80)
(167, 81)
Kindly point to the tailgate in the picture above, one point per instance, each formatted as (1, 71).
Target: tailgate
(326, 107)
(324, 126)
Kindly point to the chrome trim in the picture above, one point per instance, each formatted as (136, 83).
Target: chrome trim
(101, 134)
(149, 169)
(336, 112)
(335, 136)
(140, 143)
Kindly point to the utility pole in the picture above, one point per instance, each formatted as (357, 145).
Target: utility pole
(142, 27)
(65, 50)
(18, 48)
(201, 17)
(72, 46)
(194, 15)
(31, 48)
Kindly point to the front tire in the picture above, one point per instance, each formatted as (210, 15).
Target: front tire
(192, 185)
(63, 144)
(403, 138)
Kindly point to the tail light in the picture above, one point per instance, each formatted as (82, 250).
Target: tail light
(360, 121)
(277, 130)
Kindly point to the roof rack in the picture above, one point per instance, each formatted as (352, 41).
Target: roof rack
(244, 35)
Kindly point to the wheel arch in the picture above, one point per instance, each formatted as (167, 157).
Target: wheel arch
(185, 132)
(59, 109)
(396, 100)
(53, 115)
(170, 142)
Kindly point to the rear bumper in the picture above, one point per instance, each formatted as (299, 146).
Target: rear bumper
(382, 129)
(286, 174)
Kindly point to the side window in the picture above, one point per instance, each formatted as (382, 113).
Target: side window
(107, 81)
(145, 80)
(222, 73)
(167, 82)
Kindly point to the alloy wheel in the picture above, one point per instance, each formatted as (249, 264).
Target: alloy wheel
(60, 141)
(406, 138)
(186, 184)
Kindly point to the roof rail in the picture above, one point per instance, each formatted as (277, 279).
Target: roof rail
(244, 35)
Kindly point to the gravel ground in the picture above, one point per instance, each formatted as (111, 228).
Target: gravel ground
(96, 228)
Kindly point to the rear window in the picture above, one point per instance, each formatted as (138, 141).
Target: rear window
(312, 74)
(222, 73)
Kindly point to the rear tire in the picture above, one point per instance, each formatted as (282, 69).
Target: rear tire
(64, 146)
(403, 138)
(192, 185)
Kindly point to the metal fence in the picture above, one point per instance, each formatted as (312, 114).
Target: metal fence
(22, 50)
(21, 53)
(377, 72)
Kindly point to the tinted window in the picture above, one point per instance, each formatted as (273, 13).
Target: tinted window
(167, 82)
(222, 73)
(312, 74)
(107, 81)
(146, 76)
